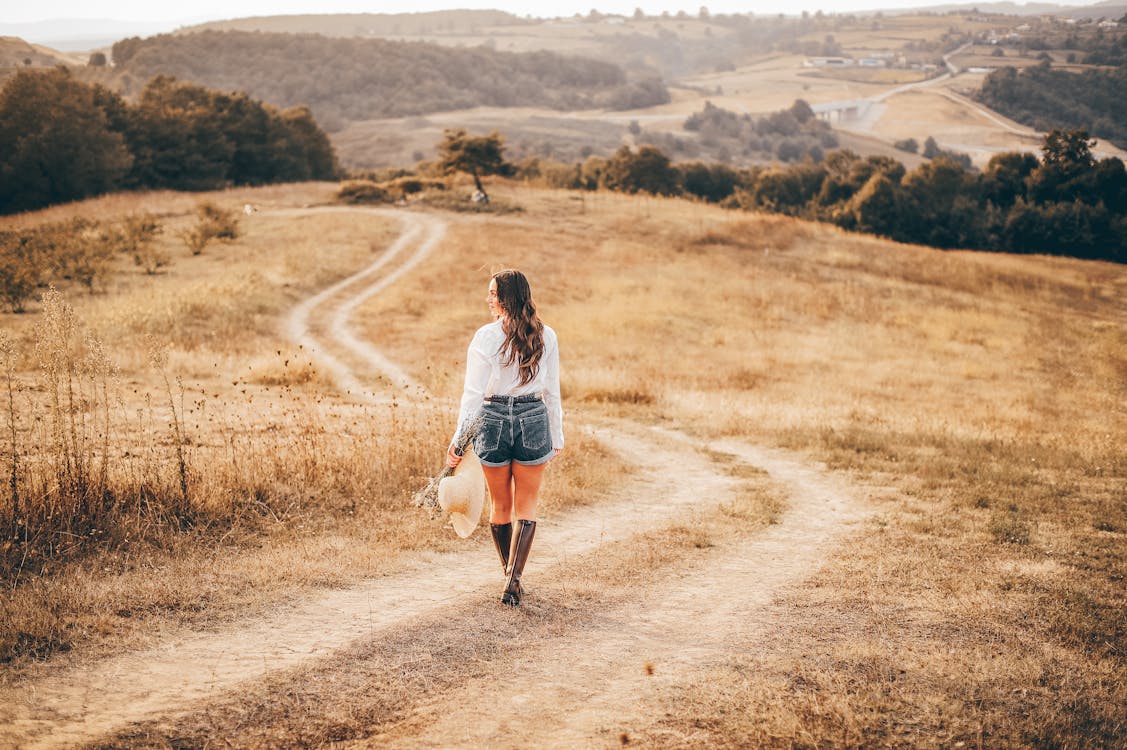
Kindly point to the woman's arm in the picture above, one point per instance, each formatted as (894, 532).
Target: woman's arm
(551, 365)
(478, 370)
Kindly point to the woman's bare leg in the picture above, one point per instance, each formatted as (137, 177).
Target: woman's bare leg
(500, 482)
(526, 489)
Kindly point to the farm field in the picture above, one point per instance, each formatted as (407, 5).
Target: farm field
(819, 488)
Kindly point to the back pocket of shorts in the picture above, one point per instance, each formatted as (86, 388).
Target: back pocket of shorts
(489, 436)
(534, 433)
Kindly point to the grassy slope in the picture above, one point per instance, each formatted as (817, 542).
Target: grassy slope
(980, 396)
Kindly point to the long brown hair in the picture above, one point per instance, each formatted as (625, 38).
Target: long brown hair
(524, 331)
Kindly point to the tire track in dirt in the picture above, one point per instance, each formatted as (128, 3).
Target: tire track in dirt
(589, 688)
(85, 703)
(680, 625)
(324, 317)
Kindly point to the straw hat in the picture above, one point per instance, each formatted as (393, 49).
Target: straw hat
(462, 494)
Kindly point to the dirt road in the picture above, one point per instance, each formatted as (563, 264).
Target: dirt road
(577, 686)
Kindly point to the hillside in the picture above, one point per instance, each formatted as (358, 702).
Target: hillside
(368, 24)
(835, 490)
(15, 54)
(358, 79)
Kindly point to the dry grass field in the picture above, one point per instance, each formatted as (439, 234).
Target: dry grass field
(976, 401)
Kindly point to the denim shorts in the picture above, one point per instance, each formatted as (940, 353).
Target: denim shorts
(514, 432)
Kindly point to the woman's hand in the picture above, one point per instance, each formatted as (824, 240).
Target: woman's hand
(555, 455)
(452, 458)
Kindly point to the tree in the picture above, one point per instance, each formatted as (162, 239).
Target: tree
(175, 138)
(647, 171)
(875, 208)
(1069, 149)
(931, 148)
(477, 155)
(940, 205)
(1005, 177)
(55, 142)
(97, 60)
(1065, 164)
(789, 190)
(713, 182)
(801, 111)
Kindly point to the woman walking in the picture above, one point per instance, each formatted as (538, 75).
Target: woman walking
(513, 380)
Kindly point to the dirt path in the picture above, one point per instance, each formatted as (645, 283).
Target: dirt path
(588, 677)
(321, 323)
(589, 687)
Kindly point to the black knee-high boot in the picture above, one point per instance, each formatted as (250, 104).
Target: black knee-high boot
(524, 532)
(503, 540)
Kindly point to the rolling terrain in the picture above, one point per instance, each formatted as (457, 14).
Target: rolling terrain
(819, 488)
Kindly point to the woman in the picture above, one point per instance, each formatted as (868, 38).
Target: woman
(513, 380)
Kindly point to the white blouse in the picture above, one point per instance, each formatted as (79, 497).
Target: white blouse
(488, 375)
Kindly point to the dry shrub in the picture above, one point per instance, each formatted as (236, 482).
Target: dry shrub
(404, 186)
(212, 223)
(359, 192)
(761, 233)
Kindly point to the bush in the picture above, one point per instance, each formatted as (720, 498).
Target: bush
(911, 145)
(362, 191)
(213, 223)
(19, 275)
(134, 237)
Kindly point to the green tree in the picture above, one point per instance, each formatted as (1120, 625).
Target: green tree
(1066, 168)
(712, 182)
(789, 190)
(647, 171)
(308, 144)
(1005, 178)
(55, 142)
(941, 205)
(476, 155)
(175, 140)
(876, 207)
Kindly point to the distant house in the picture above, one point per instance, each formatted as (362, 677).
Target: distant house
(872, 62)
(827, 62)
(1108, 24)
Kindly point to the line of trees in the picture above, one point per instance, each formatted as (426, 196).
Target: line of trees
(362, 79)
(1065, 203)
(1042, 96)
(62, 139)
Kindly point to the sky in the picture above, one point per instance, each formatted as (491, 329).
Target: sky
(200, 10)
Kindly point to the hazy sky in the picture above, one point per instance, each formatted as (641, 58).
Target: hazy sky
(147, 10)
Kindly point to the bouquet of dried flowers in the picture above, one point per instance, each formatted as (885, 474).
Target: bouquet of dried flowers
(427, 498)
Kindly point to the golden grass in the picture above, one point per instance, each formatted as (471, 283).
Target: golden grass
(385, 688)
(981, 396)
(988, 389)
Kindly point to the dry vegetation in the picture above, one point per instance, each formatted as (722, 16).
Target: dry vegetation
(981, 398)
(988, 391)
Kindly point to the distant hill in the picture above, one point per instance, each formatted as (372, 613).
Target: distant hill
(1114, 10)
(82, 34)
(368, 24)
(345, 79)
(15, 53)
(1108, 9)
